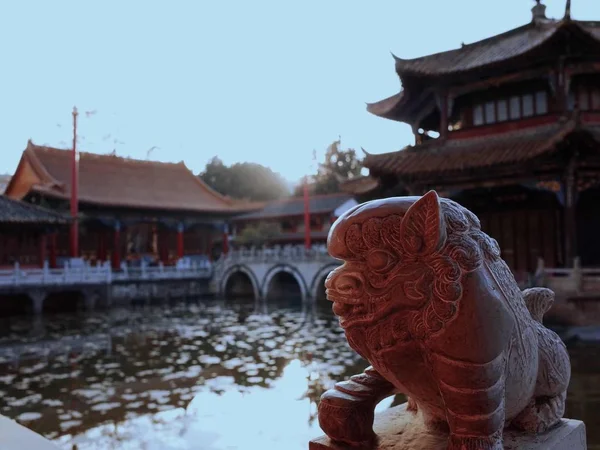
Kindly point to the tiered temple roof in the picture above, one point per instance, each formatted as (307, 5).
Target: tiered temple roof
(432, 84)
(478, 152)
(498, 49)
(499, 53)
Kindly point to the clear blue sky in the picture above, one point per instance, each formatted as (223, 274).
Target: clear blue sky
(265, 81)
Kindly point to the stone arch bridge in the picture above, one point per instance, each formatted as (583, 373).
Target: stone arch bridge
(308, 267)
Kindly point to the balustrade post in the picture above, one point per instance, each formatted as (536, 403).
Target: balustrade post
(45, 272)
(116, 254)
(577, 275)
(180, 249)
(540, 272)
(143, 268)
(16, 273)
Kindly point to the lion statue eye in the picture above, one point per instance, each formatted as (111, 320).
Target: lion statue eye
(380, 260)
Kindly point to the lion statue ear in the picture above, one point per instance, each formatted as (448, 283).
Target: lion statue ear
(423, 229)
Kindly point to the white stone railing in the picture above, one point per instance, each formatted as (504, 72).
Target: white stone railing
(572, 281)
(82, 274)
(277, 254)
(273, 255)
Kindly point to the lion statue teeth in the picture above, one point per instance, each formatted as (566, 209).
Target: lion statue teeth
(425, 297)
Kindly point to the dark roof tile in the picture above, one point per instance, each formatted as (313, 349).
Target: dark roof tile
(294, 206)
(455, 155)
(18, 212)
(496, 49)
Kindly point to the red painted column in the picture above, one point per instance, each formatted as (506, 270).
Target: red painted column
(209, 245)
(117, 247)
(102, 246)
(52, 253)
(180, 251)
(42, 253)
(74, 191)
(225, 239)
(307, 243)
(163, 250)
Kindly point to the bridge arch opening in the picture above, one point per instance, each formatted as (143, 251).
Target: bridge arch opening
(238, 285)
(15, 305)
(323, 305)
(63, 302)
(318, 289)
(285, 290)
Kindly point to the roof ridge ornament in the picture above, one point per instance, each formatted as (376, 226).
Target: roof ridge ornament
(568, 10)
(538, 11)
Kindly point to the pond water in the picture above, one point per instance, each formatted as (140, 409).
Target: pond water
(209, 376)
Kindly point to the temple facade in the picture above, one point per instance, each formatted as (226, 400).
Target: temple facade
(286, 219)
(128, 209)
(510, 128)
(26, 233)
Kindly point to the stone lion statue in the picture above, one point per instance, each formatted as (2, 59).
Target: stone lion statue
(425, 297)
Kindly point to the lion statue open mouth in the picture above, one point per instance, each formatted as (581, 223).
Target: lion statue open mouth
(425, 297)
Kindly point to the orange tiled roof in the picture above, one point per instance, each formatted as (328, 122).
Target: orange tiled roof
(455, 155)
(111, 180)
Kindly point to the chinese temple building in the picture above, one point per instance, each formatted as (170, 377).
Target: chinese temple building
(26, 233)
(510, 128)
(128, 209)
(287, 215)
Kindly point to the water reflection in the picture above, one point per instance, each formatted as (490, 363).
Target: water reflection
(212, 377)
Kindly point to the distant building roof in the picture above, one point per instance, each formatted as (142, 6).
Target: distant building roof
(110, 180)
(294, 206)
(360, 185)
(18, 212)
(296, 236)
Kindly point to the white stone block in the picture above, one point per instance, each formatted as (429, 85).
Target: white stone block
(16, 437)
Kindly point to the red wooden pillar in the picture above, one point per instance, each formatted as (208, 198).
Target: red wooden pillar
(163, 249)
(74, 191)
(307, 243)
(225, 239)
(570, 220)
(209, 245)
(180, 251)
(42, 249)
(102, 245)
(52, 253)
(117, 247)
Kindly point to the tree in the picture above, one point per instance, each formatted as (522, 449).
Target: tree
(259, 234)
(244, 181)
(339, 165)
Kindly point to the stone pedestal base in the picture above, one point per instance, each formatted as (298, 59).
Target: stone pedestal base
(399, 430)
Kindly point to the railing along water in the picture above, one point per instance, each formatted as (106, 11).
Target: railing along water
(84, 273)
(575, 281)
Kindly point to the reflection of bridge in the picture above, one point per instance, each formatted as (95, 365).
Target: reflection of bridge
(260, 267)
